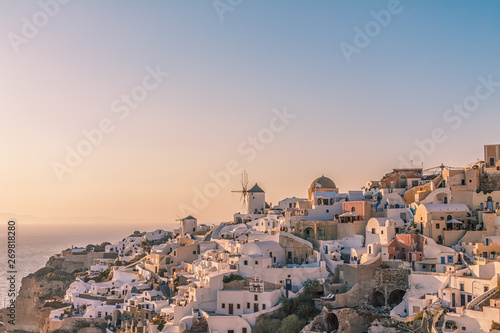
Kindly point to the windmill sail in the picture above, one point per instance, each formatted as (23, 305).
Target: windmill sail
(244, 192)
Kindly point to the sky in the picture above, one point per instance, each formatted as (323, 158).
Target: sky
(127, 109)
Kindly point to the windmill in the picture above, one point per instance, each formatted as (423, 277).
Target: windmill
(180, 220)
(243, 191)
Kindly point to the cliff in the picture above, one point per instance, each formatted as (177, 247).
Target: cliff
(40, 293)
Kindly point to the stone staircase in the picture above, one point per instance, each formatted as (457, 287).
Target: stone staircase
(439, 324)
(476, 301)
(467, 260)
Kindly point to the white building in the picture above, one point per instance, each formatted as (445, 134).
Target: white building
(258, 255)
(255, 299)
(381, 230)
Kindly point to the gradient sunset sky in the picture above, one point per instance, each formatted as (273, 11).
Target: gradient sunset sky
(352, 121)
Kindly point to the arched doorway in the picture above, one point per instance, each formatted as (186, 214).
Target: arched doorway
(332, 322)
(309, 232)
(378, 299)
(396, 297)
(403, 183)
(116, 318)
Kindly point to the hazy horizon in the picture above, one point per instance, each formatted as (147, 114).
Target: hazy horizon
(159, 96)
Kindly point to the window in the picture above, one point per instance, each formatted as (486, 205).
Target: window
(373, 230)
(462, 287)
(256, 262)
(263, 306)
(230, 331)
(223, 305)
(245, 262)
(353, 209)
(381, 232)
(437, 225)
(256, 297)
(270, 254)
(244, 330)
(238, 306)
(486, 288)
(248, 305)
(194, 252)
(450, 259)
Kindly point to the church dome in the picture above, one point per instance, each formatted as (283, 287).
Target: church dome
(322, 182)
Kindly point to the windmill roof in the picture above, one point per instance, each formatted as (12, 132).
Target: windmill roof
(189, 218)
(255, 189)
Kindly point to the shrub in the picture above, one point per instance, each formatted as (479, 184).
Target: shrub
(42, 272)
(79, 324)
(302, 308)
(266, 324)
(291, 324)
(102, 326)
(232, 277)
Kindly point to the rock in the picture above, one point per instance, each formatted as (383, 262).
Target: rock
(33, 304)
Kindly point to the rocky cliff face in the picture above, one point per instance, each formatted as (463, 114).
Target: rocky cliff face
(355, 320)
(40, 293)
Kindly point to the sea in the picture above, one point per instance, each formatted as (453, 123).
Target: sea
(35, 244)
